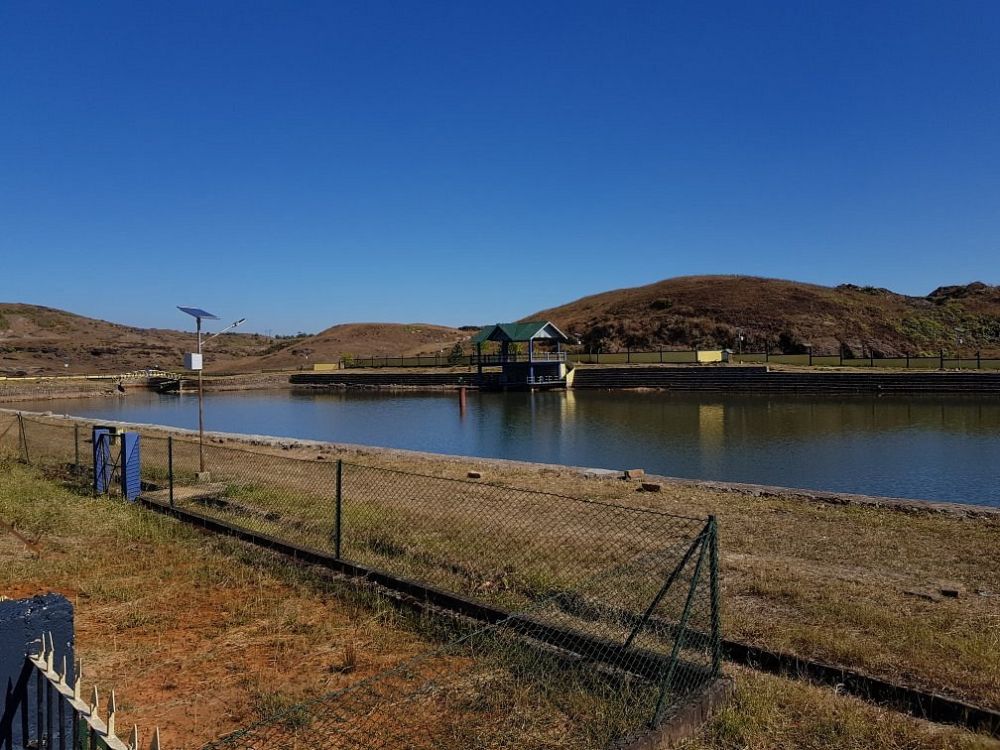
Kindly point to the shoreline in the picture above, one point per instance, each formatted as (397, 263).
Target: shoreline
(300, 446)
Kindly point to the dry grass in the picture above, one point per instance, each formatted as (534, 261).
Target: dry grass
(196, 635)
(771, 713)
(201, 635)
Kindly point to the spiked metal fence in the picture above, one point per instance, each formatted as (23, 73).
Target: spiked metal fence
(570, 622)
(45, 709)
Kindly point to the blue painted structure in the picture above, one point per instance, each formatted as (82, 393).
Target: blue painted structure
(130, 465)
(127, 463)
(101, 439)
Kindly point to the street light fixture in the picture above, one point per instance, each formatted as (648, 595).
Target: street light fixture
(193, 361)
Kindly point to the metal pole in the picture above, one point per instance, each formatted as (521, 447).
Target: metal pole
(23, 694)
(49, 718)
(76, 448)
(170, 467)
(679, 638)
(39, 713)
(713, 562)
(62, 722)
(24, 438)
(340, 496)
(678, 569)
(201, 407)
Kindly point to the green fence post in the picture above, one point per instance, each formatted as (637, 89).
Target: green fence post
(941, 359)
(76, 449)
(680, 638)
(24, 438)
(979, 360)
(170, 468)
(713, 562)
(337, 514)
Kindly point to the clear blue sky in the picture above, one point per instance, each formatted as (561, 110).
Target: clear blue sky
(303, 164)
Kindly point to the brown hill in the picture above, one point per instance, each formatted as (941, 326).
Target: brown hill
(712, 312)
(361, 340)
(38, 340)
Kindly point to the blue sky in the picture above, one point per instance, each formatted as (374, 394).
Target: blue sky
(303, 164)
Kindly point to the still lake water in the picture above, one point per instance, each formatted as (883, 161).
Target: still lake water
(938, 448)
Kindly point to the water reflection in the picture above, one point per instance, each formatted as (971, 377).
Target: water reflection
(937, 448)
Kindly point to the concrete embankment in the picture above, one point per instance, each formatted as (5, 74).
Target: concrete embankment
(763, 380)
(745, 379)
(39, 389)
(691, 378)
(382, 379)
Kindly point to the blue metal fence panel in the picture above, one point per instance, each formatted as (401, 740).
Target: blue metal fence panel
(130, 465)
(101, 438)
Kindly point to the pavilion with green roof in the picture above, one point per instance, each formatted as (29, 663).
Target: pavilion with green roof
(542, 365)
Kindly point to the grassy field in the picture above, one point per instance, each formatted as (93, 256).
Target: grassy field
(200, 635)
(851, 585)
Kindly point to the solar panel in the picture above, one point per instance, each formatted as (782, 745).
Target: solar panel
(197, 312)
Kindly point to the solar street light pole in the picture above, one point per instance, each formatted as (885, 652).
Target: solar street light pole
(198, 314)
(201, 408)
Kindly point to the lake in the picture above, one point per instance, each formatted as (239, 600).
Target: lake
(936, 448)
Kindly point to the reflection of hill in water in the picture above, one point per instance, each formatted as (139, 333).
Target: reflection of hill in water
(763, 417)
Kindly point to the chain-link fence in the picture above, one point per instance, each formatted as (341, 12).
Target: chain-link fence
(589, 621)
(513, 684)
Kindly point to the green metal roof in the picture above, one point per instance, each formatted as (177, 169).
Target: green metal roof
(532, 329)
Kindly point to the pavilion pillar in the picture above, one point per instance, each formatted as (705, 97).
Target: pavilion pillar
(531, 360)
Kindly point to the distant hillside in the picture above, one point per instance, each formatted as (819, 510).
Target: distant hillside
(38, 340)
(362, 340)
(712, 311)
(43, 340)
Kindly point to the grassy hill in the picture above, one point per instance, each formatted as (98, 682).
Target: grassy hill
(692, 311)
(43, 340)
(38, 340)
(362, 340)
(712, 311)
